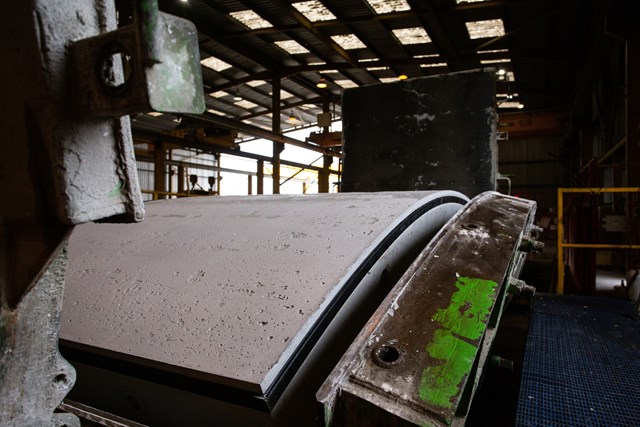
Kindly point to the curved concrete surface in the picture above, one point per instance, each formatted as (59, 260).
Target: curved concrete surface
(236, 290)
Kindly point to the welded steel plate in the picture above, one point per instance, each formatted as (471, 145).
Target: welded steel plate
(421, 355)
(238, 290)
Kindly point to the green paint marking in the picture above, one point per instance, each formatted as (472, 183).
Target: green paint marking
(470, 307)
(465, 317)
(117, 190)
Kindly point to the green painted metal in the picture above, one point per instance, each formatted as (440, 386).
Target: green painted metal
(465, 317)
(440, 320)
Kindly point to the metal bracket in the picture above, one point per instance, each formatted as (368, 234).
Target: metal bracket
(61, 169)
(38, 378)
(152, 64)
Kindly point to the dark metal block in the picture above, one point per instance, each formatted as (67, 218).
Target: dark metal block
(422, 134)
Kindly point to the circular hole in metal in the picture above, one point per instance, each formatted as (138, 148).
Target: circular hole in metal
(387, 355)
(470, 226)
(114, 69)
(60, 380)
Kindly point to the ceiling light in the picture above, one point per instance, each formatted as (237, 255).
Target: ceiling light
(520, 106)
(502, 72)
(403, 77)
(322, 84)
(292, 118)
(237, 96)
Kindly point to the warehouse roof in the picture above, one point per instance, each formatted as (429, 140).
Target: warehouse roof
(543, 48)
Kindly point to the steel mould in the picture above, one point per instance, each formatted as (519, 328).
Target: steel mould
(419, 358)
(234, 310)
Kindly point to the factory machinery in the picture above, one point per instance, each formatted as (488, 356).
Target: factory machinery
(348, 309)
(238, 310)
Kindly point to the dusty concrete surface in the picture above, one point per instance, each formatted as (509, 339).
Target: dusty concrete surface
(227, 286)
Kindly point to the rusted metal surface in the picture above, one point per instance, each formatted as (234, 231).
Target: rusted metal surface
(60, 167)
(150, 64)
(239, 291)
(420, 357)
(34, 378)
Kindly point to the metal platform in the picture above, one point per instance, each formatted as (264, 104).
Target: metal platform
(582, 364)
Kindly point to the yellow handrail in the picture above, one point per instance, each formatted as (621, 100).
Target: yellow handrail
(562, 244)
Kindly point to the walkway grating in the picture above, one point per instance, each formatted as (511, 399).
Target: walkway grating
(582, 364)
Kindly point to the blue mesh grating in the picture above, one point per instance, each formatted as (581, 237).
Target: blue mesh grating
(582, 364)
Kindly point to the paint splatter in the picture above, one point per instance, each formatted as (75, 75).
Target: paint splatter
(465, 317)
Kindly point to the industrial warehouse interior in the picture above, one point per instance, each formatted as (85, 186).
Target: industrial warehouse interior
(320, 212)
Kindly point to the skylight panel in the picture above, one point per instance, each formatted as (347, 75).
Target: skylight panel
(346, 84)
(376, 68)
(154, 113)
(219, 113)
(215, 64)
(250, 19)
(284, 94)
(388, 6)
(416, 35)
(246, 104)
(388, 79)
(437, 64)
(255, 83)
(349, 41)
(509, 104)
(314, 11)
(494, 61)
(219, 94)
(484, 29)
(494, 51)
(292, 47)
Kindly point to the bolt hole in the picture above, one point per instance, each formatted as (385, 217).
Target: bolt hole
(114, 69)
(60, 381)
(470, 226)
(387, 355)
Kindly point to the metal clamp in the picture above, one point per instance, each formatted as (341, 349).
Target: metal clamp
(151, 64)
